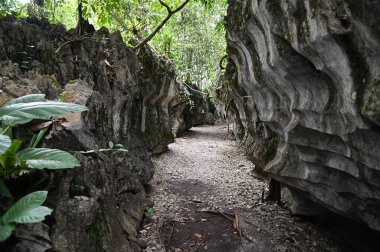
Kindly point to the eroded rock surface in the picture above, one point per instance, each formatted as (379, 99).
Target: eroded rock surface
(131, 101)
(302, 86)
(164, 100)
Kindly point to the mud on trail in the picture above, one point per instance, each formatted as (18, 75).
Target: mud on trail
(206, 198)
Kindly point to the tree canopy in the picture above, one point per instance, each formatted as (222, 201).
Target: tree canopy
(192, 37)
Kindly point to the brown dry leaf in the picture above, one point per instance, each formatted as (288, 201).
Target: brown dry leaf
(58, 126)
(198, 235)
(177, 250)
(39, 124)
(50, 135)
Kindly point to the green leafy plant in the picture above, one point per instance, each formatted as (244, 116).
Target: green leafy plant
(12, 7)
(26, 210)
(15, 161)
(61, 97)
(149, 212)
(115, 149)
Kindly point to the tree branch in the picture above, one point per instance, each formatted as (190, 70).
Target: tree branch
(180, 7)
(166, 6)
(189, 87)
(158, 28)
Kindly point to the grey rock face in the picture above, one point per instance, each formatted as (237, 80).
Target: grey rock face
(169, 106)
(164, 100)
(99, 206)
(303, 82)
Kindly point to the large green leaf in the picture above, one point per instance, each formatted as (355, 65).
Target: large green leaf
(28, 209)
(8, 159)
(6, 231)
(4, 189)
(21, 113)
(40, 158)
(5, 143)
(29, 98)
(38, 137)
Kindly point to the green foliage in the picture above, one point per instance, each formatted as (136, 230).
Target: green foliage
(40, 158)
(148, 212)
(198, 43)
(193, 39)
(61, 97)
(28, 98)
(8, 161)
(37, 138)
(6, 231)
(12, 7)
(26, 210)
(118, 150)
(5, 143)
(15, 162)
(21, 113)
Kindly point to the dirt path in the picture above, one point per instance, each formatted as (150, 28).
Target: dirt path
(206, 199)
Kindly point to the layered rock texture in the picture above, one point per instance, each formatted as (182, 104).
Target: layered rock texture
(164, 100)
(303, 89)
(132, 100)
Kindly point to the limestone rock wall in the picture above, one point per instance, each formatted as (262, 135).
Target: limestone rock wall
(164, 100)
(169, 106)
(302, 86)
(99, 206)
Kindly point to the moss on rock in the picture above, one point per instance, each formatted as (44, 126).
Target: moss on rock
(370, 107)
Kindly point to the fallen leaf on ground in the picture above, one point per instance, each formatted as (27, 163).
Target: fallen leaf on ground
(198, 235)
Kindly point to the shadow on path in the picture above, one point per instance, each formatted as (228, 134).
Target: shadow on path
(207, 199)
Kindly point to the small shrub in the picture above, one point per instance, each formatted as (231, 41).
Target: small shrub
(15, 161)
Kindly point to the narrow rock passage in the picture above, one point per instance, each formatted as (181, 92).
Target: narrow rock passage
(207, 199)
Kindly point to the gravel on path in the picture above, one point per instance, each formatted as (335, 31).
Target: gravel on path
(201, 185)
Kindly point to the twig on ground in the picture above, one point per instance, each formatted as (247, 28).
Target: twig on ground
(171, 234)
(200, 245)
(227, 217)
(205, 217)
(159, 235)
(237, 224)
